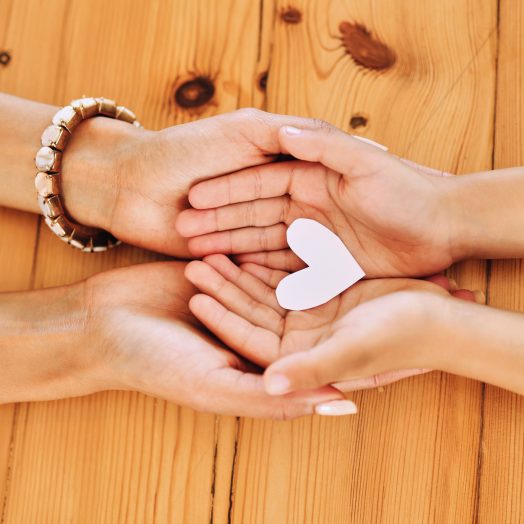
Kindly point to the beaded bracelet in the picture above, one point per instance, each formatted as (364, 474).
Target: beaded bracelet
(48, 162)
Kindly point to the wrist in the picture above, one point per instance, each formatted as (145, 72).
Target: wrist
(92, 166)
(45, 345)
(486, 211)
(452, 340)
(455, 194)
(431, 330)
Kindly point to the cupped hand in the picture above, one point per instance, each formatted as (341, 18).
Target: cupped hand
(404, 329)
(135, 182)
(395, 219)
(238, 305)
(147, 340)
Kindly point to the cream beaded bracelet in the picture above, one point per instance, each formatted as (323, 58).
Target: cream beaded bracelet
(48, 162)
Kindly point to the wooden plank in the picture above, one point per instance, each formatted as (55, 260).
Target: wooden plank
(18, 231)
(502, 466)
(411, 454)
(123, 457)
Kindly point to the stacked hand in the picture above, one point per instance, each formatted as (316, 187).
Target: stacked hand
(385, 212)
(130, 328)
(152, 343)
(358, 337)
(141, 328)
(135, 182)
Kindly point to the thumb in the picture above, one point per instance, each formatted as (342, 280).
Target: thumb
(328, 145)
(317, 367)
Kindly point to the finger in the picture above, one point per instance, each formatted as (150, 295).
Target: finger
(265, 212)
(248, 282)
(259, 345)
(449, 284)
(242, 394)
(328, 145)
(376, 381)
(245, 240)
(271, 277)
(470, 296)
(229, 142)
(282, 260)
(209, 281)
(250, 184)
(319, 366)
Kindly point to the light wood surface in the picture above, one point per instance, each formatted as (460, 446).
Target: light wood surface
(435, 448)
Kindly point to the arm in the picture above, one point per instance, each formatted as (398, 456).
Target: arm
(89, 165)
(130, 329)
(133, 182)
(396, 220)
(411, 330)
(488, 213)
(483, 343)
(43, 349)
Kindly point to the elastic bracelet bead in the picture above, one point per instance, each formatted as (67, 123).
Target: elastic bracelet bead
(48, 161)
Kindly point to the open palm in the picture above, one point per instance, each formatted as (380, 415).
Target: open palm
(140, 320)
(394, 219)
(238, 304)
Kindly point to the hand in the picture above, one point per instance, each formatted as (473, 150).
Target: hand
(148, 341)
(395, 220)
(239, 306)
(404, 329)
(131, 329)
(134, 182)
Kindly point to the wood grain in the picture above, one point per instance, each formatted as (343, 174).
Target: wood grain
(118, 457)
(421, 77)
(411, 455)
(18, 231)
(502, 466)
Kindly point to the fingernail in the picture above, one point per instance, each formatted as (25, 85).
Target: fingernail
(336, 408)
(453, 286)
(290, 130)
(277, 384)
(480, 297)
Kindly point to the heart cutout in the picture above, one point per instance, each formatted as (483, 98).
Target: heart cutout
(331, 267)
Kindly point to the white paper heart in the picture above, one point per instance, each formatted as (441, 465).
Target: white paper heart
(331, 267)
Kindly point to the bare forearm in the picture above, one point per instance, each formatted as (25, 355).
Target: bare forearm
(43, 354)
(483, 343)
(490, 214)
(21, 125)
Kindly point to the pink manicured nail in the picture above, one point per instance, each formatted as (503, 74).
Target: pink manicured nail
(336, 408)
(290, 130)
(277, 384)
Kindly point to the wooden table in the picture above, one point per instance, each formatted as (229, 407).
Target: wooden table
(440, 82)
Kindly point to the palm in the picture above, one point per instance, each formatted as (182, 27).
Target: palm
(240, 307)
(370, 210)
(158, 347)
(383, 210)
(160, 167)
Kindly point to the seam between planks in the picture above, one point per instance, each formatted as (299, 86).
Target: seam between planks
(237, 423)
(480, 456)
(233, 469)
(214, 473)
(8, 475)
(465, 69)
